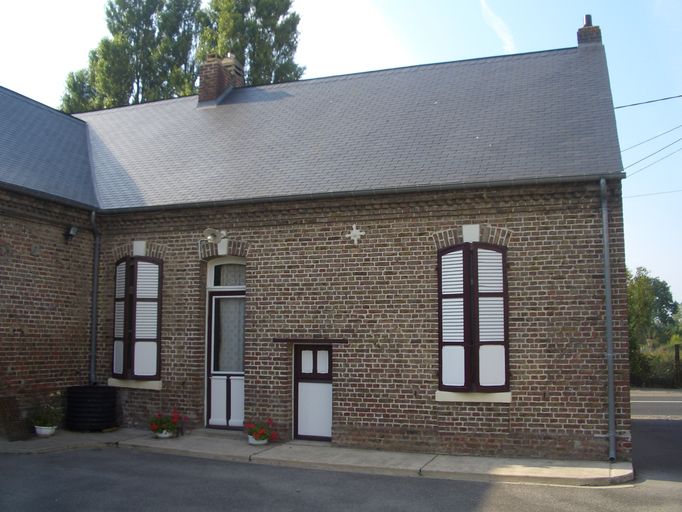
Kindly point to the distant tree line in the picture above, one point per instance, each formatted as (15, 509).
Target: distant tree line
(156, 46)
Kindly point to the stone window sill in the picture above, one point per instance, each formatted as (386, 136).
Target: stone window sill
(449, 396)
(155, 385)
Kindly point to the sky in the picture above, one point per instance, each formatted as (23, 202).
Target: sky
(42, 40)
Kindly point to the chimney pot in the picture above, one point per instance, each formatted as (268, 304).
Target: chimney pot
(589, 33)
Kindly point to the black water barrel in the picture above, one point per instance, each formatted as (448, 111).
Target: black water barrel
(90, 408)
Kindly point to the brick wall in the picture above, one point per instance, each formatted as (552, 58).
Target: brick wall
(45, 286)
(306, 279)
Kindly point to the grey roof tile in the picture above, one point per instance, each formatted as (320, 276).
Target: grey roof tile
(538, 116)
(44, 151)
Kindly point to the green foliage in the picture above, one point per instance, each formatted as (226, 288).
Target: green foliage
(260, 430)
(655, 324)
(155, 45)
(80, 93)
(47, 411)
(262, 34)
(173, 422)
(640, 365)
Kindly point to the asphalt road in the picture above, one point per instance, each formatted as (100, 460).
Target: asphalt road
(115, 479)
(656, 403)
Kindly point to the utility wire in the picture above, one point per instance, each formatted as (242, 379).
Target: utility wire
(652, 154)
(652, 163)
(654, 193)
(650, 101)
(652, 138)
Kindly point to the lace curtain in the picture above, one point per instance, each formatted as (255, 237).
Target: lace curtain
(229, 352)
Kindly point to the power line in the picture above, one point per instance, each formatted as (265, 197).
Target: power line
(650, 101)
(652, 154)
(654, 162)
(652, 138)
(654, 193)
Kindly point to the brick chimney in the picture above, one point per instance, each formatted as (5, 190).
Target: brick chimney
(589, 33)
(217, 75)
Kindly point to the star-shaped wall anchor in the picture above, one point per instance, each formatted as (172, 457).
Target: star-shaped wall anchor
(355, 234)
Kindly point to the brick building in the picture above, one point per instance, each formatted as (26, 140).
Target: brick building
(408, 259)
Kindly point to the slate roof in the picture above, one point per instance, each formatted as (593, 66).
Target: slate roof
(43, 151)
(536, 117)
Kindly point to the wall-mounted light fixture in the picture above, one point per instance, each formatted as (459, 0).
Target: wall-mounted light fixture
(213, 236)
(70, 232)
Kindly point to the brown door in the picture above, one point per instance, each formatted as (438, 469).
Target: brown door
(313, 392)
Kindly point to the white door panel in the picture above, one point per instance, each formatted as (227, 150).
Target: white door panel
(236, 401)
(314, 409)
(218, 401)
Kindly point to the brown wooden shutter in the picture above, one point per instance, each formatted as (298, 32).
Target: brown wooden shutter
(146, 313)
(489, 298)
(472, 297)
(454, 340)
(137, 318)
(118, 360)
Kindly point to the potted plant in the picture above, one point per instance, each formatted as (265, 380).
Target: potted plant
(47, 413)
(260, 432)
(167, 425)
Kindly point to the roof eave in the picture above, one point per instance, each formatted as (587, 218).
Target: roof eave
(39, 194)
(371, 192)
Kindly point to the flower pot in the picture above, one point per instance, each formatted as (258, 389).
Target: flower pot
(45, 431)
(163, 434)
(257, 442)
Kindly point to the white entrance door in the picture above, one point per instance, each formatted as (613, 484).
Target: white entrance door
(313, 392)
(226, 361)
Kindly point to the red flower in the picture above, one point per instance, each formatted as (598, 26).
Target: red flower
(154, 427)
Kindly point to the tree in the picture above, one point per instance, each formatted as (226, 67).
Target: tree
(651, 308)
(262, 34)
(150, 56)
(155, 44)
(653, 321)
(80, 93)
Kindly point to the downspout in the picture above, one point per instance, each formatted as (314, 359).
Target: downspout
(609, 321)
(93, 301)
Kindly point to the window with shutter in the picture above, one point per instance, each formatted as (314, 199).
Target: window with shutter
(137, 318)
(472, 300)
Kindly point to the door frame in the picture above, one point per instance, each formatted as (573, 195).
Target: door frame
(298, 376)
(213, 291)
(212, 300)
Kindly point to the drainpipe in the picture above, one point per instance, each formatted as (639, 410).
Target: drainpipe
(609, 321)
(93, 301)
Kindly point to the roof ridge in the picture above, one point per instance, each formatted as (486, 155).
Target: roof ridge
(414, 66)
(38, 104)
